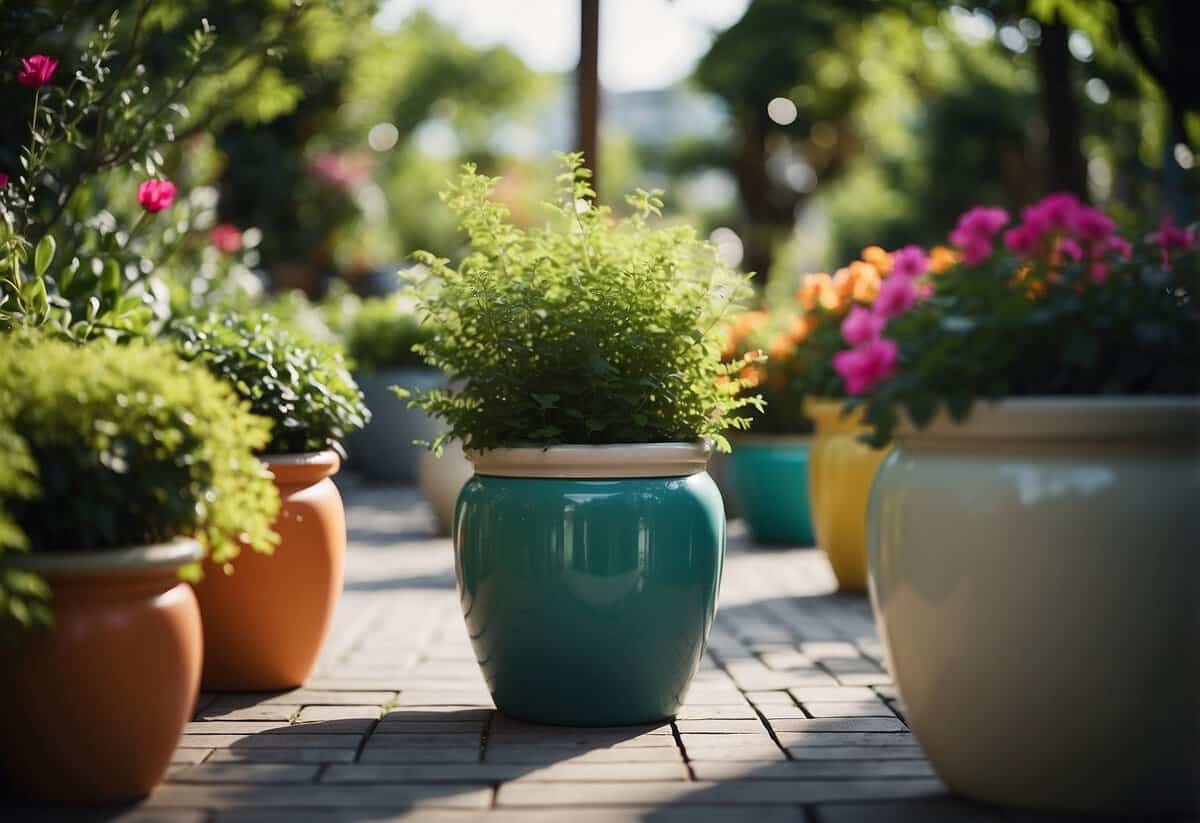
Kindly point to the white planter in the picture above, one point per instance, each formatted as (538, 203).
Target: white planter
(441, 479)
(384, 452)
(1035, 575)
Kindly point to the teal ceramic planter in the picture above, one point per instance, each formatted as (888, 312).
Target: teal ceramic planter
(589, 600)
(771, 478)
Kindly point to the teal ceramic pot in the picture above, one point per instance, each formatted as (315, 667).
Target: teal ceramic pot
(770, 474)
(588, 577)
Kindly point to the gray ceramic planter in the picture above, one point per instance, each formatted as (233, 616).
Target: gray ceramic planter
(383, 452)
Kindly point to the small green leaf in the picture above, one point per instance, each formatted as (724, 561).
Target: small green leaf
(43, 255)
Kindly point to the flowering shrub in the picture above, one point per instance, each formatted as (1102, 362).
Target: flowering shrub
(589, 330)
(1064, 306)
(777, 377)
(301, 385)
(838, 345)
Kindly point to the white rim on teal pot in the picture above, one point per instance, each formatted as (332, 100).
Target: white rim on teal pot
(620, 460)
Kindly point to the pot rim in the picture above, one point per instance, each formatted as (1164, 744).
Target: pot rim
(177, 552)
(317, 458)
(610, 461)
(1063, 417)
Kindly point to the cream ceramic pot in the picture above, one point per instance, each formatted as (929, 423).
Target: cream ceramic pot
(441, 479)
(1035, 574)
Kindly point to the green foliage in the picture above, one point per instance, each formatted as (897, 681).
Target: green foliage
(301, 385)
(381, 335)
(23, 596)
(131, 446)
(1013, 328)
(588, 330)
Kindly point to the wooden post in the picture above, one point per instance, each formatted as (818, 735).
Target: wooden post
(587, 138)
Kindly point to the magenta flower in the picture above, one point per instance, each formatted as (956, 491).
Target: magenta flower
(1170, 236)
(1118, 245)
(896, 296)
(867, 364)
(910, 261)
(1071, 248)
(861, 326)
(1024, 240)
(3, 180)
(975, 230)
(1091, 224)
(1053, 212)
(37, 71)
(156, 195)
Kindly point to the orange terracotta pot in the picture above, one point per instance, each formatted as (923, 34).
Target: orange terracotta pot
(91, 711)
(264, 623)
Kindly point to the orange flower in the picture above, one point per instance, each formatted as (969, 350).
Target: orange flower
(753, 375)
(941, 258)
(859, 281)
(817, 289)
(781, 346)
(799, 327)
(878, 258)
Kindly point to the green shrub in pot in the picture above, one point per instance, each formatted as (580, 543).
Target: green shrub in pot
(380, 334)
(264, 625)
(114, 459)
(586, 381)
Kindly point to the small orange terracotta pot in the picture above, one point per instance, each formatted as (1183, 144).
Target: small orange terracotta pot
(91, 710)
(264, 623)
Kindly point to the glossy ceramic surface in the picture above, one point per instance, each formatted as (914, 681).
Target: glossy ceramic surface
(91, 711)
(589, 601)
(771, 477)
(841, 470)
(265, 623)
(383, 451)
(1036, 580)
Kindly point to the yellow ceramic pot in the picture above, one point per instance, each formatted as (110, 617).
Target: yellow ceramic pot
(841, 469)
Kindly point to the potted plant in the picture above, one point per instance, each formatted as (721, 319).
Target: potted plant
(379, 334)
(1033, 556)
(264, 624)
(585, 356)
(116, 460)
(770, 463)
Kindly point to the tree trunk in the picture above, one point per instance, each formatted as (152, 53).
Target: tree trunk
(1066, 170)
(588, 96)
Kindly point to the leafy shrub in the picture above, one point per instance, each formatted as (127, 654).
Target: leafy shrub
(589, 330)
(23, 595)
(381, 335)
(1067, 307)
(301, 385)
(131, 446)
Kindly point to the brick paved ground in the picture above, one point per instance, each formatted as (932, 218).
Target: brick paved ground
(791, 717)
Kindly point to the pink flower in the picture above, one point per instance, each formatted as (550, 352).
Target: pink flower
(1171, 236)
(1053, 212)
(1071, 248)
(896, 296)
(1118, 245)
(867, 364)
(37, 70)
(1024, 240)
(861, 326)
(226, 237)
(1098, 271)
(1090, 224)
(3, 180)
(910, 261)
(156, 195)
(975, 230)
